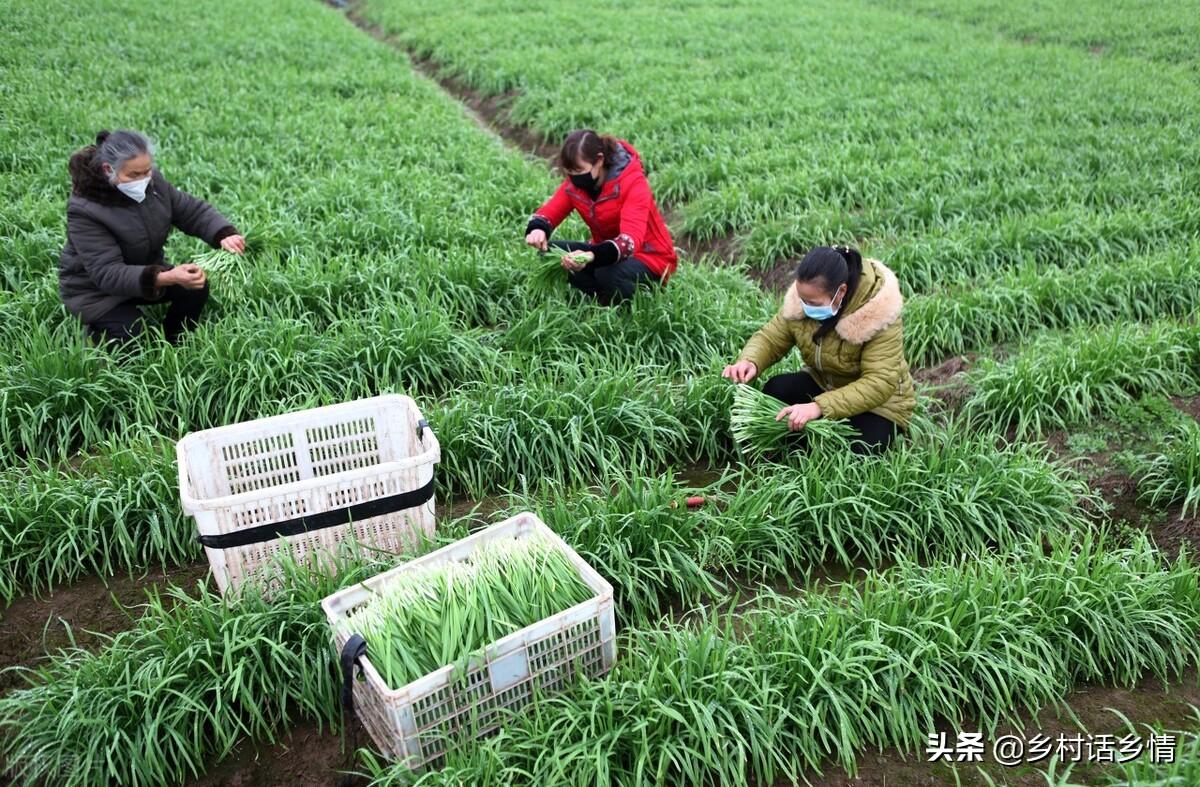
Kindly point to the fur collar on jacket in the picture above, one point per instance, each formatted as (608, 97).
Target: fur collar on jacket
(88, 181)
(862, 323)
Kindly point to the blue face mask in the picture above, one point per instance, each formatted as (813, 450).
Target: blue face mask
(819, 313)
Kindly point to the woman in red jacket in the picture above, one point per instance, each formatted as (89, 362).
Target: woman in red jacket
(630, 241)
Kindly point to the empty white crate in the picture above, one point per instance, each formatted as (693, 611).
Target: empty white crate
(325, 474)
(410, 723)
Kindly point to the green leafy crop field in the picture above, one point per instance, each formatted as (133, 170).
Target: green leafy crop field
(1031, 172)
(789, 124)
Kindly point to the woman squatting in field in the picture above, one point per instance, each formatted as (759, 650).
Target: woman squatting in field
(630, 242)
(119, 215)
(843, 313)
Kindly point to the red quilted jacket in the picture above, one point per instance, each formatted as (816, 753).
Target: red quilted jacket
(624, 212)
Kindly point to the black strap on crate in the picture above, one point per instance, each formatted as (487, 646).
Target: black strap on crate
(352, 652)
(303, 524)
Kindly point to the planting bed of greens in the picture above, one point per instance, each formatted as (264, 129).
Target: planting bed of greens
(1037, 200)
(950, 150)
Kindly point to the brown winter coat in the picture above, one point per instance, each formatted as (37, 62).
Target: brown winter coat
(114, 245)
(860, 364)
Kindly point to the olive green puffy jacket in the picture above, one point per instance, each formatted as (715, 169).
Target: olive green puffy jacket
(860, 364)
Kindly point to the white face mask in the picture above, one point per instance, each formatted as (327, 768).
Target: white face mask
(135, 189)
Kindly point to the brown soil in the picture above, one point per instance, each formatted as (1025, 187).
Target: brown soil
(1176, 534)
(944, 372)
(306, 757)
(1115, 486)
(1119, 490)
(1170, 532)
(480, 510)
(777, 278)
(32, 627)
(698, 476)
(723, 248)
(946, 382)
(1188, 404)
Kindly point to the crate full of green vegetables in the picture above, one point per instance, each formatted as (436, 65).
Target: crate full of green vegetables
(460, 639)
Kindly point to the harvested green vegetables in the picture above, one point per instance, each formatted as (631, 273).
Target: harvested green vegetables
(221, 261)
(752, 421)
(444, 614)
(550, 276)
(217, 261)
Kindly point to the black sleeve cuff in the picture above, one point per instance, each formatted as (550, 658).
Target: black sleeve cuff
(605, 253)
(222, 234)
(539, 223)
(147, 281)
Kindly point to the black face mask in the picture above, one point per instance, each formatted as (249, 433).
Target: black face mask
(586, 182)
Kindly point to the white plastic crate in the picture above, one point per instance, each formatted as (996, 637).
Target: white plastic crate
(411, 723)
(362, 468)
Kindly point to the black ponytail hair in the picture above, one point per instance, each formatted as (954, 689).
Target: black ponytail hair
(584, 146)
(834, 266)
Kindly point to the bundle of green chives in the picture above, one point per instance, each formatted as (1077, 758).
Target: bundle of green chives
(221, 261)
(549, 277)
(445, 614)
(216, 261)
(752, 421)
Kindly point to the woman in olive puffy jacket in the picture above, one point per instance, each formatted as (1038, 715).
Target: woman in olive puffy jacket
(843, 313)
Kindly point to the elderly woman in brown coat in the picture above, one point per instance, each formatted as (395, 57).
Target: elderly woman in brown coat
(119, 214)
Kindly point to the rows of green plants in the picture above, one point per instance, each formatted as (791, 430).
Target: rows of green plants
(1183, 769)
(1008, 307)
(117, 512)
(833, 509)
(799, 682)
(193, 676)
(388, 259)
(161, 701)
(1160, 32)
(1053, 381)
(373, 173)
(561, 424)
(117, 509)
(760, 124)
(565, 425)
(62, 396)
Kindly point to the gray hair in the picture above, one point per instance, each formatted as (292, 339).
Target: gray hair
(116, 147)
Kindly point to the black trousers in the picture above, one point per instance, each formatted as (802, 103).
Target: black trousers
(126, 321)
(875, 432)
(609, 284)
